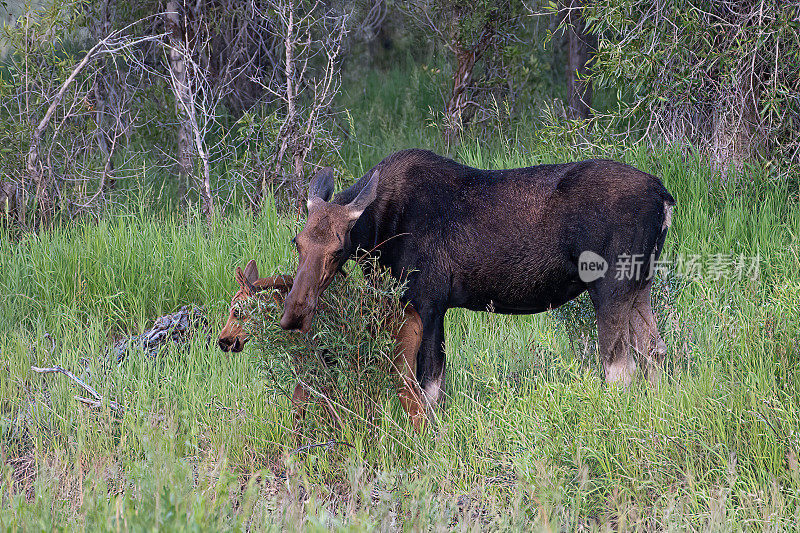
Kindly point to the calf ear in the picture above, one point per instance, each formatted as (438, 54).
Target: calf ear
(240, 278)
(251, 271)
(367, 195)
(321, 185)
(243, 282)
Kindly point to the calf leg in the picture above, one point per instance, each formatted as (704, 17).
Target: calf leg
(300, 399)
(404, 364)
(299, 402)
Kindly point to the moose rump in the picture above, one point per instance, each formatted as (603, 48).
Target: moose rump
(509, 241)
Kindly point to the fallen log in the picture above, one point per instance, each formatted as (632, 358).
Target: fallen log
(179, 328)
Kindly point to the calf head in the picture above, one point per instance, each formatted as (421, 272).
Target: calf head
(233, 336)
(323, 246)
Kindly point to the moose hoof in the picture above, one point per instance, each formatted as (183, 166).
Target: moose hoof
(620, 371)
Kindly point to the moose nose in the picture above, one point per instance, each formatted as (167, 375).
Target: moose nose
(290, 323)
(224, 344)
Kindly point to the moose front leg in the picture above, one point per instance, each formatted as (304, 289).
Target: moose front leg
(407, 341)
(431, 356)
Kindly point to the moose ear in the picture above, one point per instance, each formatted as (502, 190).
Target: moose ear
(244, 282)
(251, 271)
(240, 278)
(367, 195)
(321, 185)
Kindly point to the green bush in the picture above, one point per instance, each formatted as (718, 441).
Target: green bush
(344, 361)
(720, 75)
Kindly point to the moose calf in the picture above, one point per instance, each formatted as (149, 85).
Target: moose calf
(407, 335)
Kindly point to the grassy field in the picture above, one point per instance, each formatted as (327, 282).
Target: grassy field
(529, 436)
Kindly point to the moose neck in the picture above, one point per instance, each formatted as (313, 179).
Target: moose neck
(364, 234)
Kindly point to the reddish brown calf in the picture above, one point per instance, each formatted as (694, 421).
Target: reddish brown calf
(407, 334)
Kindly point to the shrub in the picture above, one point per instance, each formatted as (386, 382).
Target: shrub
(720, 75)
(345, 359)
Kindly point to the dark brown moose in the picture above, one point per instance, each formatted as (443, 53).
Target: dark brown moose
(407, 334)
(513, 241)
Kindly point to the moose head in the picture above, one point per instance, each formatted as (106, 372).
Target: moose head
(233, 336)
(323, 245)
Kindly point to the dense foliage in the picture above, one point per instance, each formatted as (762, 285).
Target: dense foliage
(723, 76)
(345, 358)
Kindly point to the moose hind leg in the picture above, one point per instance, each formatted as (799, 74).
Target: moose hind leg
(645, 338)
(614, 342)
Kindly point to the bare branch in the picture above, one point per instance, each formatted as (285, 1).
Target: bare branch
(70, 375)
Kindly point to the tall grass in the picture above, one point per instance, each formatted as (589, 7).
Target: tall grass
(528, 437)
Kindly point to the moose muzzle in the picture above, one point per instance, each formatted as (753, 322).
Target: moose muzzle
(301, 302)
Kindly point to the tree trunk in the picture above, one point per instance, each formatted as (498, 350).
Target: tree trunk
(44, 204)
(206, 195)
(291, 109)
(290, 142)
(462, 80)
(180, 88)
(103, 89)
(8, 196)
(580, 45)
(20, 202)
(733, 139)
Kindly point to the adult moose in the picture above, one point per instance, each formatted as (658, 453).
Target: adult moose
(506, 240)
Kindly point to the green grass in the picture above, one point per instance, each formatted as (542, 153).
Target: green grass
(529, 437)
(528, 431)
